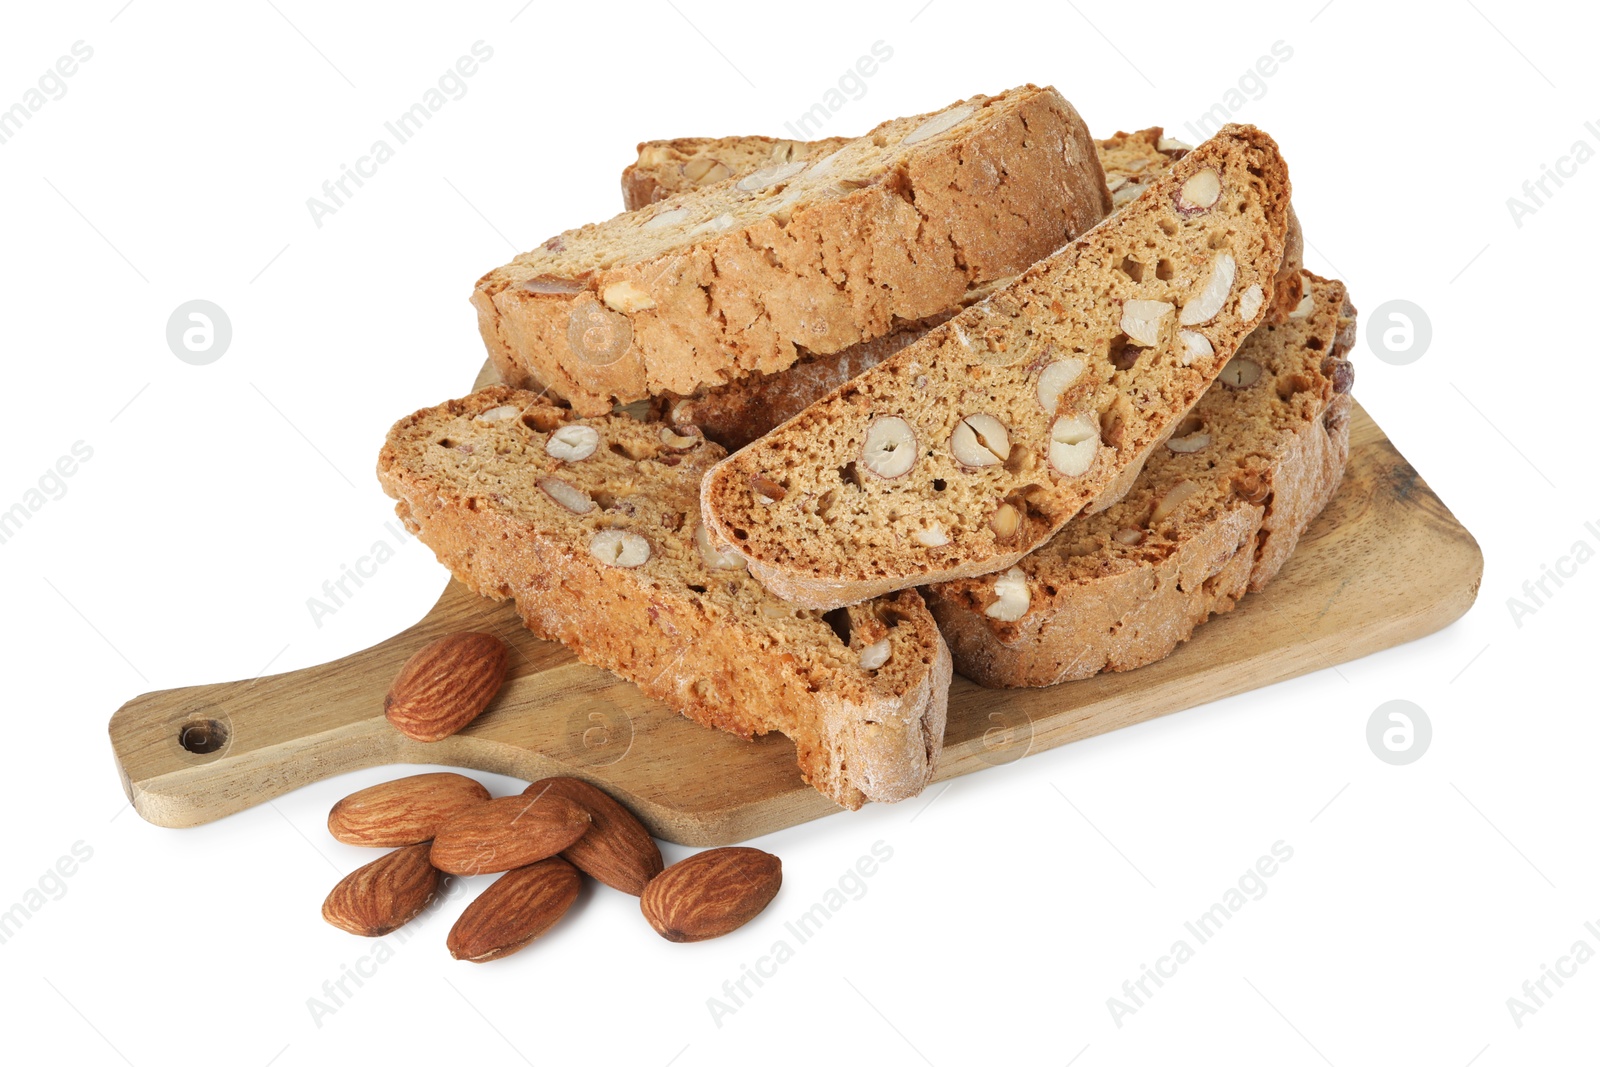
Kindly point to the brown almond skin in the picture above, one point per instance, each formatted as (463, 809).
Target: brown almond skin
(499, 835)
(711, 893)
(446, 685)
(406, 811)
(518, 907)
(385, 894)
(617, 850)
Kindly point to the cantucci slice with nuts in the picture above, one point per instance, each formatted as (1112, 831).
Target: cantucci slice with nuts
(1213, 515)
(747, 272)
(1047, 396)
(593, 526)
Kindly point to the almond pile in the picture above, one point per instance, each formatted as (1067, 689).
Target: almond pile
(541, 843)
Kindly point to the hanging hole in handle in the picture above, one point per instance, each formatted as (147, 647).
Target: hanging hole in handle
(202, 736)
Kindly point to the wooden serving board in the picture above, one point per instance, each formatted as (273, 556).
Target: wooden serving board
(1385, 563)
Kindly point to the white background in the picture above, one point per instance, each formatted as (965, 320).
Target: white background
(219, 498)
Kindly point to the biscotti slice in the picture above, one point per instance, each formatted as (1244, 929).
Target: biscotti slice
(742, 276)
(963, 452)
(666, 168)
(1130, 161)
(737, 413)
(593, 526)
(1215, 514)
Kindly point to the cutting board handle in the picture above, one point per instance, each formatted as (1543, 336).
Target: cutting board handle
(188, 756)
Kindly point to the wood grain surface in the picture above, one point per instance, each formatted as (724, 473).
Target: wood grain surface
(1385, 564)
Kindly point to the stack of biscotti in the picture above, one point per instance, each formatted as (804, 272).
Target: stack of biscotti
(593, 526)
(1215, 513)
(745, 274)
(943, 351)
(746, 408)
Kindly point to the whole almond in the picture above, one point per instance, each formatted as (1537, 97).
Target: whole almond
(518, 907)
(446, 685)
(384, 895)
(617, 850)
(711, 893)
(406, 811)
(499, 835)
